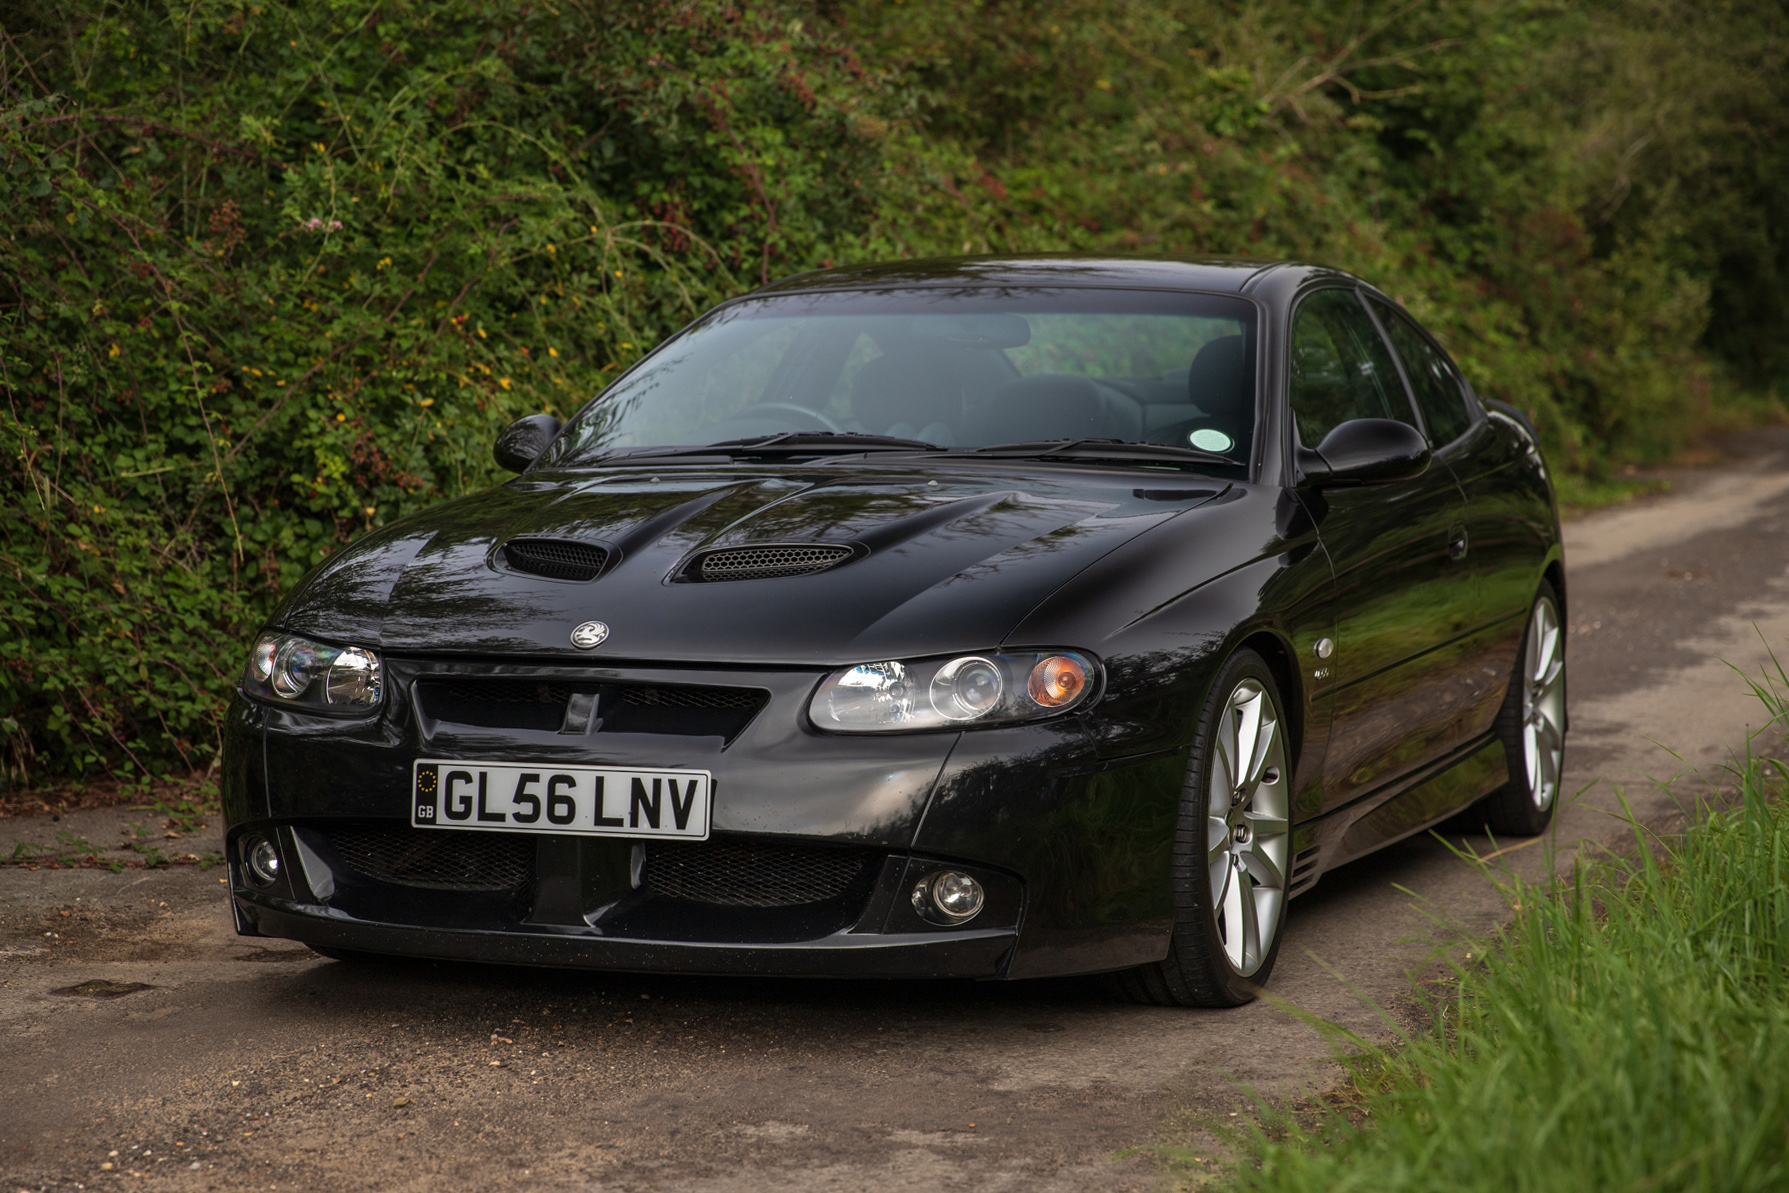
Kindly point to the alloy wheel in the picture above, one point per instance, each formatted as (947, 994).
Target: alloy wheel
(1543, 703)
(1247, 825)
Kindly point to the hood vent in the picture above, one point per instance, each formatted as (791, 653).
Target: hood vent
(763, 563)
(555, 558)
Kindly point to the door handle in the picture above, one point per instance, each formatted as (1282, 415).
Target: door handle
(1456, 541)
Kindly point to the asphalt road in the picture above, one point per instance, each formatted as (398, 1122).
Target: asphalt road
(255, 1064)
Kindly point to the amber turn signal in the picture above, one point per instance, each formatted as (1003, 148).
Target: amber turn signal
(1057, 681)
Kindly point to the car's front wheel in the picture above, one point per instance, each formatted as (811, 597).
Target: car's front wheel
(1231, 849)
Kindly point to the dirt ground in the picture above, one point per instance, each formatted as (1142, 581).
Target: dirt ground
(219, 1062)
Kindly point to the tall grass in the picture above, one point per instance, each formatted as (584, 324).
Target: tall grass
(1627, 1030)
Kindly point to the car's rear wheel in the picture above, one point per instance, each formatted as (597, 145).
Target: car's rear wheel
(1532, 726)
(1231, 849)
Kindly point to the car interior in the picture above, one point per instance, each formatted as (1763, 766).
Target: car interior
(964, 381)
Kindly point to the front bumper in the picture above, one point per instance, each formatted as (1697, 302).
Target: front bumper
(1071, 848)
(589, 902)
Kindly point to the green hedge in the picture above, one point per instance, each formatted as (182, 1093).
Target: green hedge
(274, 274)
(278, 274)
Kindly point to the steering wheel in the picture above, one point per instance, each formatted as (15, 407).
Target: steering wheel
(791, 408)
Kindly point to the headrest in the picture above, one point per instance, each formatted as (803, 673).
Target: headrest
(1215, 382)
(1049, 406)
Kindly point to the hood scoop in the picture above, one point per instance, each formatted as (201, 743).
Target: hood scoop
(766, 562)
(556, 559)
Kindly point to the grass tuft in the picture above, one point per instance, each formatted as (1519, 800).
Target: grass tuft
(1627, 1029)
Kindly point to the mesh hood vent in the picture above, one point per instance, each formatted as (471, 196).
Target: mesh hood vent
(555, 558)
(762, 563)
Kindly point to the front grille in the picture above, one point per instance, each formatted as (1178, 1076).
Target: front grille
(555, 558)
(752, 875)
(499, 703)
(438, 859)
(506, 691)
(689, 697)
(762, 563)
(540, 705)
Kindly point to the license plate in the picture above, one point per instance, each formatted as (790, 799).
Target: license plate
(596, 801)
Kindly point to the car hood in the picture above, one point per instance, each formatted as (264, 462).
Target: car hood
(943, 562)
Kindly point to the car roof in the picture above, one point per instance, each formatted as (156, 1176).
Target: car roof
(1220, 274)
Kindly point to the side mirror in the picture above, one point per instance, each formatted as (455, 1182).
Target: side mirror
(1365, 451)
(524, 440)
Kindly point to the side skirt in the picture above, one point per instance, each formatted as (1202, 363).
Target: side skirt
(1396, 811)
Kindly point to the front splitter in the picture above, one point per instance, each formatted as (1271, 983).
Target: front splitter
(961, 954)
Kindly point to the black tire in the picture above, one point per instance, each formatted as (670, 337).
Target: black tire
(1523, 807)
(1199, 970)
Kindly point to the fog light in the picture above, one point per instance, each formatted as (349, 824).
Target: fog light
(262, 860)
(949, 895)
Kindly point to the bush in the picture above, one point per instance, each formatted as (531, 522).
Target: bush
(275, 273)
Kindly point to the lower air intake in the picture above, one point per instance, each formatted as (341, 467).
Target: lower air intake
(438, 859)
(752, 875)
(763, 563)
(555, 558)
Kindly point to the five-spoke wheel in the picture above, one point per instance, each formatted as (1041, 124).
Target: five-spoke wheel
(1232, 850)
(1247, 832)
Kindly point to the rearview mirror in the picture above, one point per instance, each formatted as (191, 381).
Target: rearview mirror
(1365, 451)
(524, 440)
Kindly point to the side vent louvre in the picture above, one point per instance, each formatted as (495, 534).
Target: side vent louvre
(763, 563)
(1304, 871)
(555, 558)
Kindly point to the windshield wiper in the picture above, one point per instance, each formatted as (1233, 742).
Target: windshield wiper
(787, 443)
(1098, 449)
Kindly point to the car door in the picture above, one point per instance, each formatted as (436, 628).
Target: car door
(1497, 542)
(1400, 599)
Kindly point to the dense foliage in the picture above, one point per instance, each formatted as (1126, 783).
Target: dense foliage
(273, 274)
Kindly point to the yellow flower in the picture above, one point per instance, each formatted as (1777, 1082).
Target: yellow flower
(341, 418)
(550, 352)
(503, 381)
(426, 402)
(114, 352)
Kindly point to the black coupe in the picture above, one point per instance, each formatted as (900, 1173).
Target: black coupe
(978, 618)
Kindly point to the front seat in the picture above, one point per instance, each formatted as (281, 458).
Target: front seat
(1048, 406)
(910, 396)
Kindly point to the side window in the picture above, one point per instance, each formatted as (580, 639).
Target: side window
(1438, 395)
(1341, 369)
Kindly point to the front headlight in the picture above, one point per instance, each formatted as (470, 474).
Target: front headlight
(287, 669)
(996, 688)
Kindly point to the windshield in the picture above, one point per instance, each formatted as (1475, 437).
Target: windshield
(955, 368)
